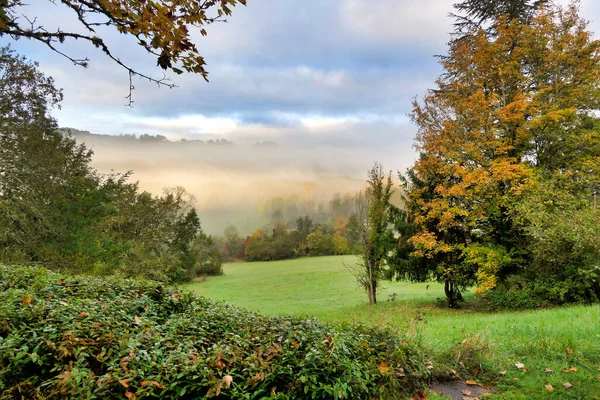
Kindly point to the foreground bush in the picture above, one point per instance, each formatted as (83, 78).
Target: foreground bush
(82, 337)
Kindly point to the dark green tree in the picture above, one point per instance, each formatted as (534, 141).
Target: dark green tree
(472, 15)
(57, 210)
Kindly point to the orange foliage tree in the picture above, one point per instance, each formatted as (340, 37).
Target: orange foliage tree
(511, 108)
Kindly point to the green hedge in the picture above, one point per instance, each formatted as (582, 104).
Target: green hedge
(98, 338)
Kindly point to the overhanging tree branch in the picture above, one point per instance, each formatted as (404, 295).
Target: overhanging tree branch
(161, 28)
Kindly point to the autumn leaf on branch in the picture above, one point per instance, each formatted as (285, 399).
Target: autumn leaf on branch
(162, 28)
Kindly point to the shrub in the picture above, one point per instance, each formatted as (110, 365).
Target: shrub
(519, 292)
(92, 338)
(320, 243)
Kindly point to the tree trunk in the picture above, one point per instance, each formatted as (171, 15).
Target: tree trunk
(372, 289)
(371, 285)
(449, 290)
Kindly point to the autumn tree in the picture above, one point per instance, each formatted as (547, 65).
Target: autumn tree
(163, 29)
(511, 109)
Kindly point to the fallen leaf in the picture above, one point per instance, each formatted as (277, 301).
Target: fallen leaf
(549, 388)
(259, 377)
(503, 373)
(454, 372)
(82, 314)
(567, 385)
(467, 392)
(572, 369)
(520, 365)
(145, 383)
(471, 383)
(137, 320)
(158, 385)
(419, 396)
(569, 351)
(383, 367)
(124, 382)
(475, 371)
(27, 299)
(130, 395)
(548, 371)
(228, 380)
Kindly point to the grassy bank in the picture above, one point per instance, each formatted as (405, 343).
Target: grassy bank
(475, 344)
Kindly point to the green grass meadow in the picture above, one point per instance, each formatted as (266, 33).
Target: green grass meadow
(556, 346)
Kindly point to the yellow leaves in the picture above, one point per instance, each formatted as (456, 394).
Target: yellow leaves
(427, 245)
(549, 388)
(514, 111)
(26, 300)
(471, 382)
(488, 260)
(485, 282)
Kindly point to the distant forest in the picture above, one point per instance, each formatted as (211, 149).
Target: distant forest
(145, 138)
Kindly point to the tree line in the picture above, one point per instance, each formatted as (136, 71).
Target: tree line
(58, 211)
(331, 230)
(143, 138)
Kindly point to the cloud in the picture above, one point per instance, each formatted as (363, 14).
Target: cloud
(415, 23)
(303, 71)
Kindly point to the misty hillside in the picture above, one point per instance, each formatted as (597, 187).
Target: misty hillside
(233, 184)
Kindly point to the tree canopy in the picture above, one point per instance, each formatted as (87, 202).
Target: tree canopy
(509, 147)
(57, 210)
(474, 14)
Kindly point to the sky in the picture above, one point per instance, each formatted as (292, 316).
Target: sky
(327, 74)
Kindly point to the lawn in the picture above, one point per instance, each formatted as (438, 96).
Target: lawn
(475, 344)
